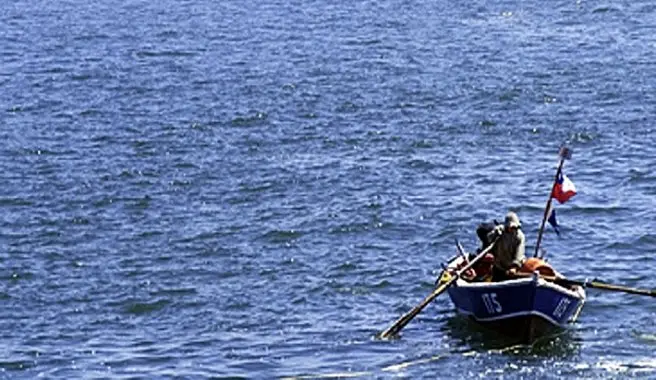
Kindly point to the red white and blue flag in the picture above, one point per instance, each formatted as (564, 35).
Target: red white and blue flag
(564, 189)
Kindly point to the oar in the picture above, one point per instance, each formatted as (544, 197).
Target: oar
(606, 286)
(596, 285)
(461, 250)
(407, 317)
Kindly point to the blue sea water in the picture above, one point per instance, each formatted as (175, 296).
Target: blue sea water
(237, 189)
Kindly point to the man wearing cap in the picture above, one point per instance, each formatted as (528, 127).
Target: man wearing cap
(509, 249)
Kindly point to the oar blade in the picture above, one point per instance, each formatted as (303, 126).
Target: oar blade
(407, 317)
(602, 286)
(619, 288)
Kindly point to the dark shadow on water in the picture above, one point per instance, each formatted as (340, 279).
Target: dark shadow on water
(471, 335)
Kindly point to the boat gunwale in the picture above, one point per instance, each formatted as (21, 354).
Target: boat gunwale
(460, 282)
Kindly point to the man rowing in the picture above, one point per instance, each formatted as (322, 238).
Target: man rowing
(509, 249)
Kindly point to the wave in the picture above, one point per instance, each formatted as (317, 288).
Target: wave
(15, 202)
(251, 119)
(164, 53)
(282, 236)
(17, 365)
(596, 209)
(139, 308)
(174, 292)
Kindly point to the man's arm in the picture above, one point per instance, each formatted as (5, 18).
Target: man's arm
(518, 258)
(520, 251)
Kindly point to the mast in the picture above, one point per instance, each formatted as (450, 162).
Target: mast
(564, 154)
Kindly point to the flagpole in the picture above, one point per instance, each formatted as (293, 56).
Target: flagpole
(564, 154)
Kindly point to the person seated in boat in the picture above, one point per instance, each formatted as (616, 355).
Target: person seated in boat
(509, 249)
(483, 268)
(482, 231)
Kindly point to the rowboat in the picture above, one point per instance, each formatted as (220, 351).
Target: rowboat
(528, 306)
(524, 308)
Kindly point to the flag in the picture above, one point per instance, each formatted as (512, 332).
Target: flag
(564, 189)
(552, 220)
